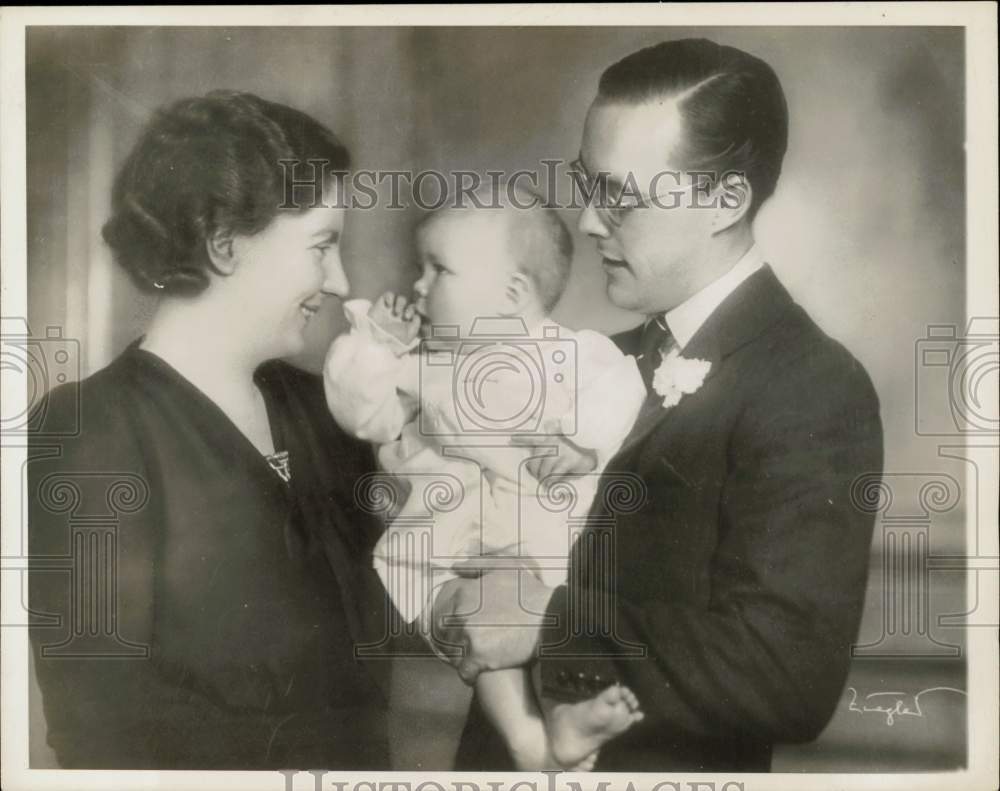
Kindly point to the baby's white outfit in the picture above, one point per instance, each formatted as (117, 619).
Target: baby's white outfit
(444, 418)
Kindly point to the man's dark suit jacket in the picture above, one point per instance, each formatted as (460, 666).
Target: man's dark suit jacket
(729, 598)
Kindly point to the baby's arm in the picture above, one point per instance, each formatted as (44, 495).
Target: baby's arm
(363, 366)
(607, 399)
(609, 395)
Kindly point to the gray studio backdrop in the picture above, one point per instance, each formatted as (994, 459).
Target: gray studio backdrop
(867, 230)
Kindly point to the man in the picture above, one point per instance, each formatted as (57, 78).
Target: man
(728, 592)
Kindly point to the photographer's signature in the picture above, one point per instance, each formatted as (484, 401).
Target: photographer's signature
(893, 704)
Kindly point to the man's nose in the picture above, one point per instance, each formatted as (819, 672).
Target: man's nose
(335, 279)
(590, 223)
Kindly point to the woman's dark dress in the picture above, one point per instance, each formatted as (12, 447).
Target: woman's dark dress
(250, 593)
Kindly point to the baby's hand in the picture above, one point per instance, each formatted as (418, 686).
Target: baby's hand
(570, 459)
(395, 316)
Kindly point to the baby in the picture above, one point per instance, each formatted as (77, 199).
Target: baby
(447, 418)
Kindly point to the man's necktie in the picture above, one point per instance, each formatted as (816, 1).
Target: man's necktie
(656, 337)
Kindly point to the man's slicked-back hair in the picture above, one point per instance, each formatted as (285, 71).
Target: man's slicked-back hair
(732, 107)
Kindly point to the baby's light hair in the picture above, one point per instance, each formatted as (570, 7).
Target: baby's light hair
(540, 243)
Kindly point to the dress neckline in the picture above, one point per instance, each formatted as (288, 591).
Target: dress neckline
(162, 367)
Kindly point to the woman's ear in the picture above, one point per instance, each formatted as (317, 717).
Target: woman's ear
(734, 196)
(519, 291)
(220, 252)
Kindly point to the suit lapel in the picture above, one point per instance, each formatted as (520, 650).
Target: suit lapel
(754, 305)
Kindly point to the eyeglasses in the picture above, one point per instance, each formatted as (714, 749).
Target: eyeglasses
(613, 210)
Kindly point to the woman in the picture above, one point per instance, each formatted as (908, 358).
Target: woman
(242, 577)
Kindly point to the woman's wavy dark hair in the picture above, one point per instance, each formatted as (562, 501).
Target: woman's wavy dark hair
(207, 164)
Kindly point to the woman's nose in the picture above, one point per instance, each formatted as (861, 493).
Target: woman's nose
(335, 279)
(590, 223)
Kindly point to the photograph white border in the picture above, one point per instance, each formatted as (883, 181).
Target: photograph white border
(980, 23)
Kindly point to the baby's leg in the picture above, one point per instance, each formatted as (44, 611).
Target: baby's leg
(577, 730)
(509, 702)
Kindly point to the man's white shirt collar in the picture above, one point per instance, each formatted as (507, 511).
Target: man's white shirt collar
(688, 317)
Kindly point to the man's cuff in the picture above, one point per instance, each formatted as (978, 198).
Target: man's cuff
(574, 666)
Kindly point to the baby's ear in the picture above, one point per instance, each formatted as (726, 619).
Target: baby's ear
(219, 247)
(520, 289)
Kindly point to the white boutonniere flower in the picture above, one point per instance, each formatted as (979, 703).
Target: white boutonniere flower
(679, 376)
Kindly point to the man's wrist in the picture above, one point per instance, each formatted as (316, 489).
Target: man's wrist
(572, 667)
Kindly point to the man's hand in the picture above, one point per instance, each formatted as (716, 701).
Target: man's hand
(569, 458)
(496, 618)
(396, 317)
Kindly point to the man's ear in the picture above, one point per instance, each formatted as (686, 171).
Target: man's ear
(221, 253)
(733, 196)
(520, 289)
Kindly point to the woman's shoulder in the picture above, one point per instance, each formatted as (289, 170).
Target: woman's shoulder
(93, 409)
(84, 450)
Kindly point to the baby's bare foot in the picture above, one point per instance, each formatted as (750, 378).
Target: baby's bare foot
(577, 730)
(586, 765)
(530, 755)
